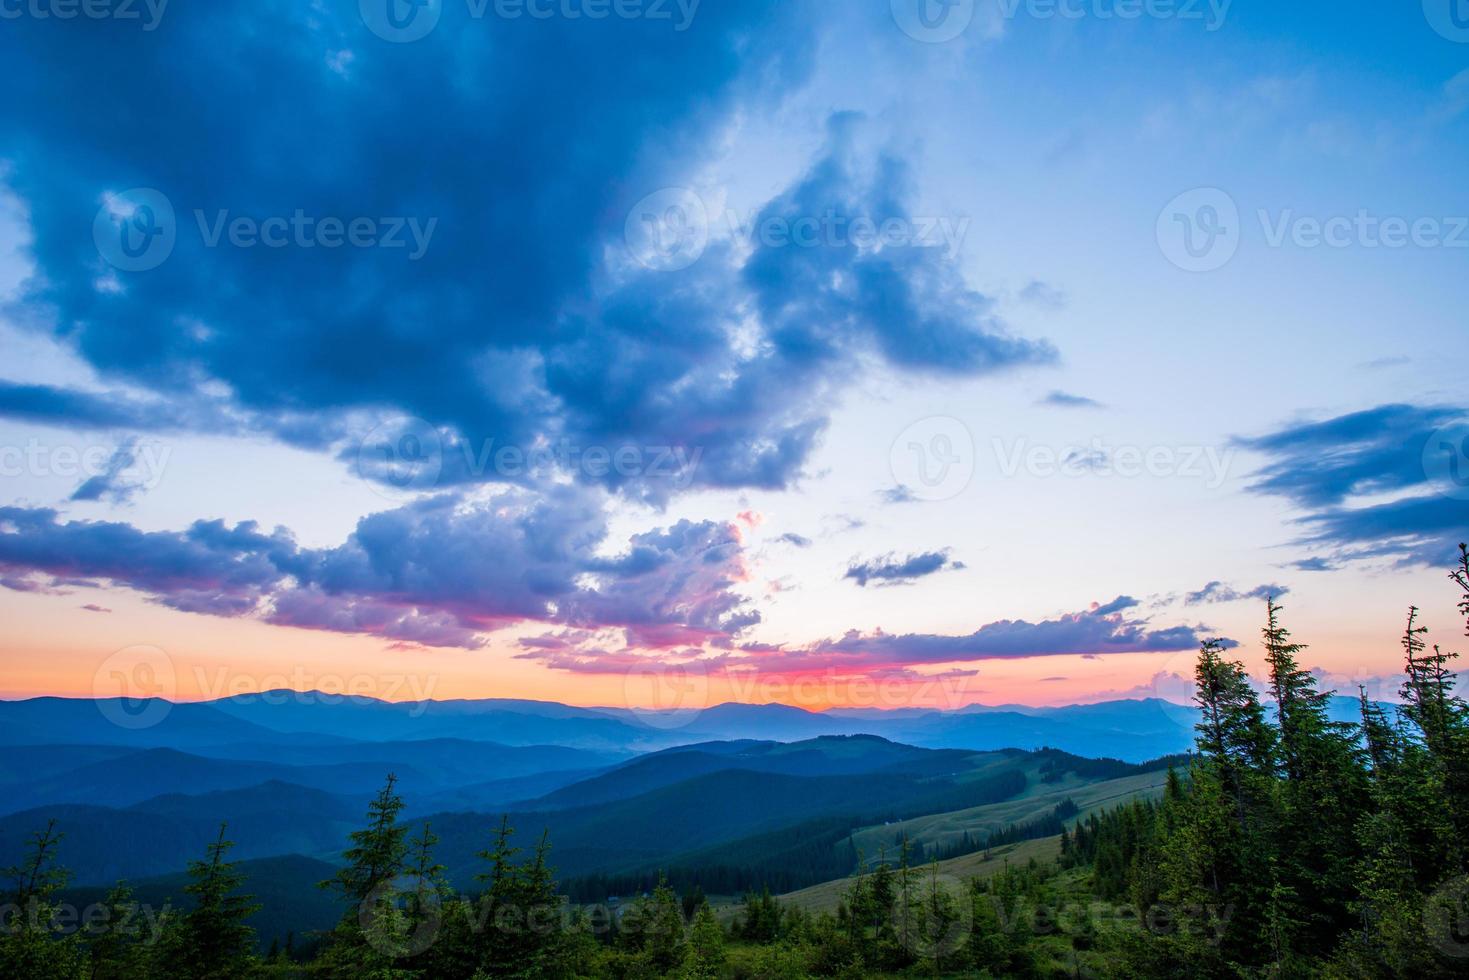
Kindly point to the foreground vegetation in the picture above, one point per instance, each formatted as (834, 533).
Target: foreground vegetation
(1293, 846)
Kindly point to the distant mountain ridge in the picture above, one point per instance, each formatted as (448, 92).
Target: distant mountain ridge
(1128, 730)
(276, 724)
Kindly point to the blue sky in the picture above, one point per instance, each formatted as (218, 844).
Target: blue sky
(1289, 408)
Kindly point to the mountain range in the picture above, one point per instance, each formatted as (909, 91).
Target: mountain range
(735, 797)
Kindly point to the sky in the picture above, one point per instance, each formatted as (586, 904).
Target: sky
(886, 353)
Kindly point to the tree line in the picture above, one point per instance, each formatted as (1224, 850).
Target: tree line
(1292, 845)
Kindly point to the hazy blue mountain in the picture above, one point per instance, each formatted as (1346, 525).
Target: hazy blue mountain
(441, 736)
(24, 763)
(823, 756)
(497, 794)
(782, 807)
(447, 761)
(140, 775)
(118, 721)
(1131, 730)
(161, 835)
(780, 722)
(676, 807)
(511, 722)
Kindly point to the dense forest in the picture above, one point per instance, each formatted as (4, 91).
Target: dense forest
(1291, 845)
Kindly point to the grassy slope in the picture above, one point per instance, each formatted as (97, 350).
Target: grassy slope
(947, 828)
(826, 896)
(1038, 800)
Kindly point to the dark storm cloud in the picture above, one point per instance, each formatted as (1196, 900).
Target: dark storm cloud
(526, 145)
(1338, 470)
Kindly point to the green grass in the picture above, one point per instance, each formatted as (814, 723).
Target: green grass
(1039, 799)
(826, 896)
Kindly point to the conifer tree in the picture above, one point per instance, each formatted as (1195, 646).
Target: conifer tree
(706, 953)
(500, 913)
(1234, 739)
(654, 928)
(116, 948)
(31, 945)
(425, 887)
(375, 932)
(1324, 789)
(938, 921)
(377, 852)
(212, 940)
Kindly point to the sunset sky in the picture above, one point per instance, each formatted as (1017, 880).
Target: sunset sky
(811, 352)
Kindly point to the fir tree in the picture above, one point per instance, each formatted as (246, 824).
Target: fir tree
(377, 852)
(1324, 789)
(117, 947)
(655, 929)
(212, 940)
(374, 931)
(32, 947)
(425, 887)
(706, 953)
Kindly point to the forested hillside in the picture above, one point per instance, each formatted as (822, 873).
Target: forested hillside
(1289, 844)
